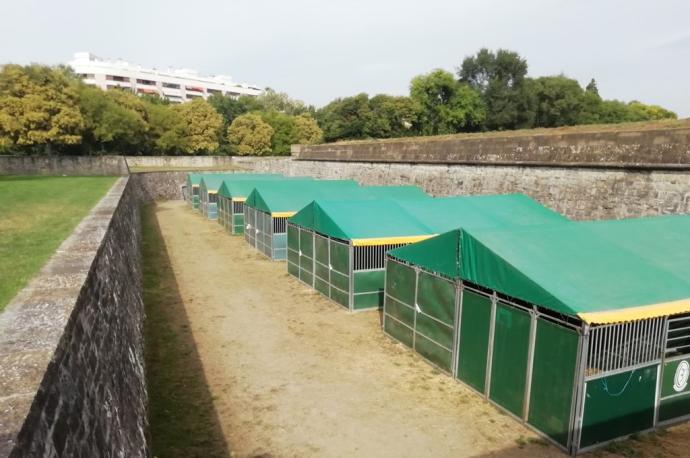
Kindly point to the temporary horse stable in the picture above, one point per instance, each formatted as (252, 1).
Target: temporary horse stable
(338, 247)
(579, 330)
(211, 183)
(192, 192)
(270, 204)
(232, 195)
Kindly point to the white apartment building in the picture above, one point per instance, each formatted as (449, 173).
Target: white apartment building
(175, 85)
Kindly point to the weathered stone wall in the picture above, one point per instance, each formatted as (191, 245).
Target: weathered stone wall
(192, 162)
(71, 344)
(579, 193)
(666, 148)
(155, 186)
(63, 165)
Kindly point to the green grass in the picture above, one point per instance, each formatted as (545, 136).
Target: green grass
(183, 421)
(36, 215)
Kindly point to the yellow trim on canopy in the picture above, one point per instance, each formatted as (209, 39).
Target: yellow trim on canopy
(637, 313)
(282, 214)
(390, 240)
(212, 192)
(195, 186)
(239, 199)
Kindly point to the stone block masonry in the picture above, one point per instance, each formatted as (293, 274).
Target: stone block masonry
(71, 344)
(63, 165)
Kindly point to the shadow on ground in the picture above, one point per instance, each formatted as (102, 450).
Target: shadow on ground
(183, 420)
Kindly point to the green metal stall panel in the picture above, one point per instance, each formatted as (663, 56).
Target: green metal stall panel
(306, 260)
(368, 289)
(675, 389)
(553, 378)
(509, 361)
(618, 405)
(474, 339)
(435, 319)
(399, 312)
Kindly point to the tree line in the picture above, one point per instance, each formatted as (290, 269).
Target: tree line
(50, 110)
(490, 91)
(46, 110)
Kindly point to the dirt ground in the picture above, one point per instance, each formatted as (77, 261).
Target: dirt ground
(292, 374)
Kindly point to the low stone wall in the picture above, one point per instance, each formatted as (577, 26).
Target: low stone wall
(193, 162)
(71, 344)
(63, 165)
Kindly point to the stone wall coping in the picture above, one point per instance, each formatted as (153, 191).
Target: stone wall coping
(33, 323)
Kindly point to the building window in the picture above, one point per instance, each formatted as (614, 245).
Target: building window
(121, 79)
(213, 91)
(194, 88)
(149, 82)
(171, 85)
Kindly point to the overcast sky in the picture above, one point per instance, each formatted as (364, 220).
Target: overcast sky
(319, 50)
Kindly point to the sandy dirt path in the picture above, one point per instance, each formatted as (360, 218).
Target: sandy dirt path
(292, 374)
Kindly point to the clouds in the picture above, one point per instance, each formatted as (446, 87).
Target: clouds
(318, 50)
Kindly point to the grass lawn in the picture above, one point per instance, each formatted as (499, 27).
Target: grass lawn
(181, 412)
(36, 215)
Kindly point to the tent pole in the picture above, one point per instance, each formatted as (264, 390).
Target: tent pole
(416, 308)
(457, 323)
(657, 398)
(490, 349)
(579, 390)
(351, 256)
(530, 363)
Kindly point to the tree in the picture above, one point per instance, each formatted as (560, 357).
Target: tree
(642, 112)
(270, 100)
(38, 108)
(391, 116)
(500, 79)
(307, 131)
(203, 124)
(167, 130)
(345, 118)
(591, 105)
(249, 134)
(559, 101)
(110, 126)
(283, 131)
(445, 105)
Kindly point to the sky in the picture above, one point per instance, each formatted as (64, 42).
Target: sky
(319, 50)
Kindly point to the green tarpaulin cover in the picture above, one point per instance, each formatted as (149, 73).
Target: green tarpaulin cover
(286, 199)
(602, 272)
(243, 187)
(213, 182)
(393, 220)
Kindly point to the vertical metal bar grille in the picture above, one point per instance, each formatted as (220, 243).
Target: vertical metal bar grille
(372, 257)
(618, 346)
(279, 225)
(237, 207)
(678, 341)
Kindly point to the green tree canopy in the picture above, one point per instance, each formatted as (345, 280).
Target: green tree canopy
(347, 117)
(445, 105)
(283, 131)
(500, 79)
(203, 124)
(38, 108)
(392, 116)
(249, 134)
(560, 101)
(307, 131)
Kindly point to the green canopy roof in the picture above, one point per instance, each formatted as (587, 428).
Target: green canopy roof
(446, 213)
(283, 198)
(194, 179)
(213, 182)
(574, 268)
(401, 220)
(370, 221)
(395, 192)
(240, 189)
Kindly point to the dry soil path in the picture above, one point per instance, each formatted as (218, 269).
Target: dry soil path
(293, 374)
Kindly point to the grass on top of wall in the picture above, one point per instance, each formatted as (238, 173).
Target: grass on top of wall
(36, 215)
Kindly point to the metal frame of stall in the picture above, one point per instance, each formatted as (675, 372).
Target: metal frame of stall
(518, 351)
(266, 232)
(332, 266)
